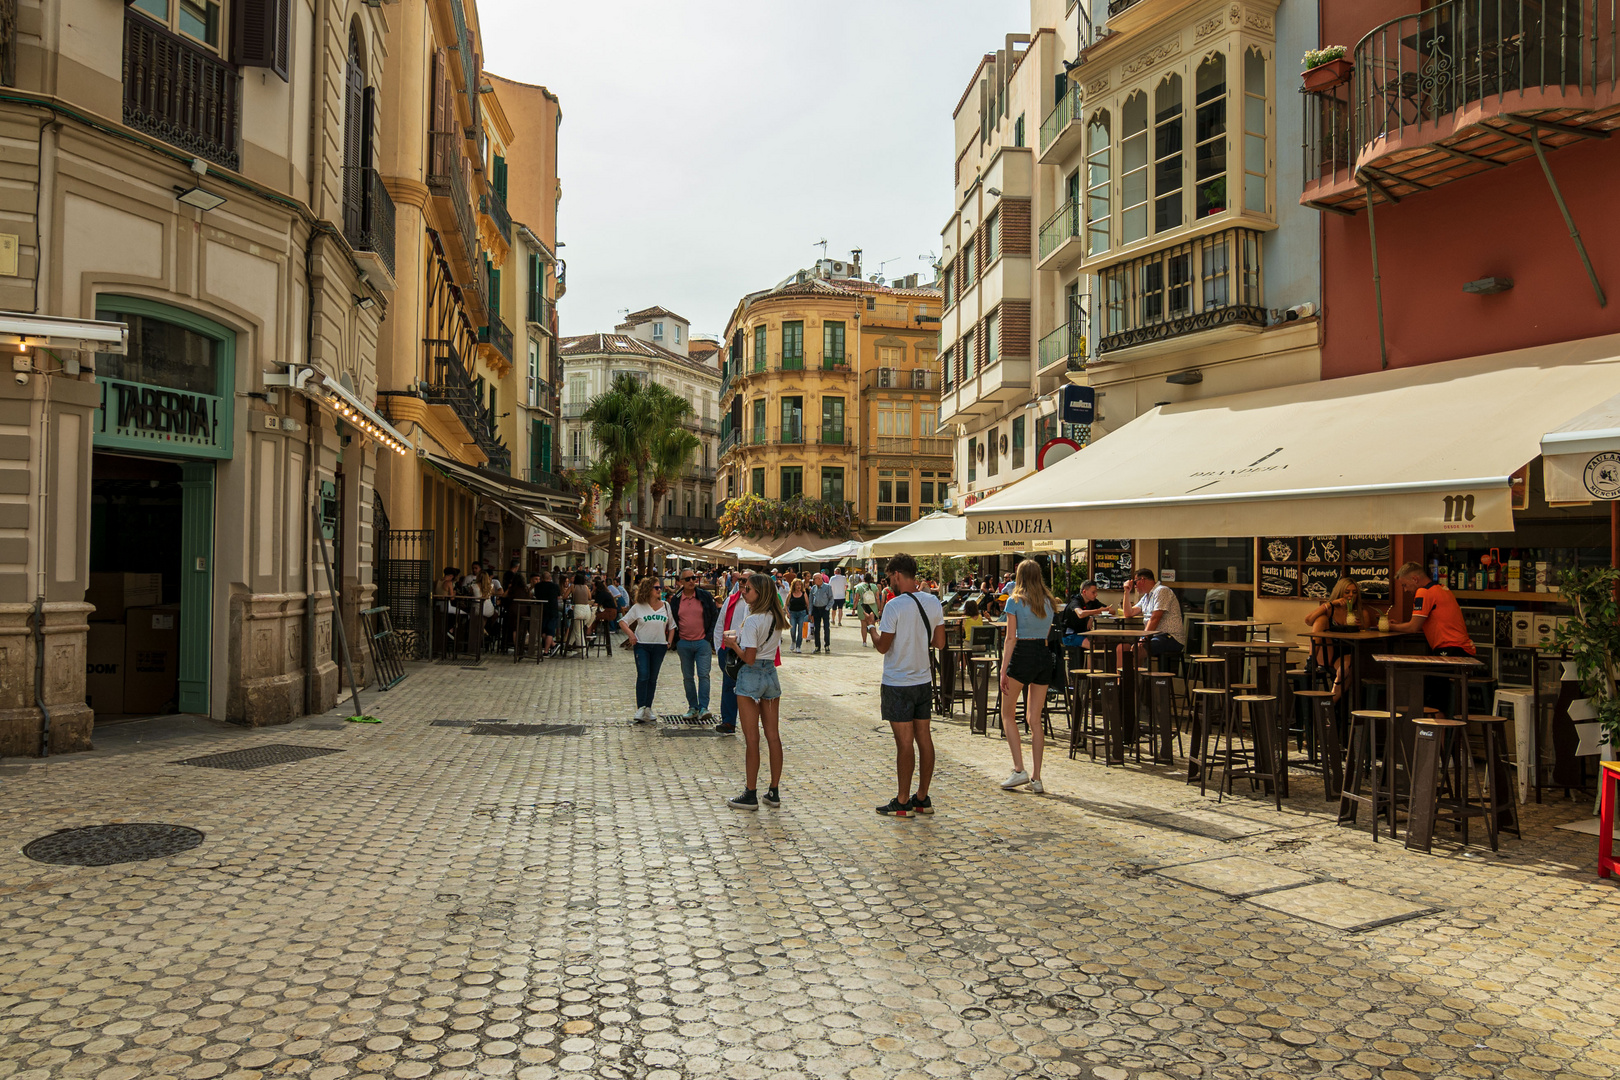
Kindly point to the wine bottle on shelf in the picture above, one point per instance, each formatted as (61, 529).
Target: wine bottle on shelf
(1513, 567)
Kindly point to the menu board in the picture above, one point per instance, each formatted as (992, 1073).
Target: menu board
(1112, 563)
(1310, 566)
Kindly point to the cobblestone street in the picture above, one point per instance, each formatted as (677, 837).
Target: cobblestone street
(573, 898)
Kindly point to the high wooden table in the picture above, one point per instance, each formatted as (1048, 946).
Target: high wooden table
(1127, 689)
(1273, 656)
(1398, 701)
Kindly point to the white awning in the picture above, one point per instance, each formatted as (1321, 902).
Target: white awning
(793, 555)
(849, 549)
(938, 533)
(53, 332)
(1581, 459)
(1428, 449)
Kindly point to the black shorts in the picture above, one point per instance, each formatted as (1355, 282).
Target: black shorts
(838, 605)
(905, 704)
(1163, 645)
(1031, 662)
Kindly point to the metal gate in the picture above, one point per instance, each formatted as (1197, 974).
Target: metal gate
(405, 578)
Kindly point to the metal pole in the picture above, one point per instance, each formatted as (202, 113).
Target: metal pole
(1378, 284)
(337, 610)
(1574, 233)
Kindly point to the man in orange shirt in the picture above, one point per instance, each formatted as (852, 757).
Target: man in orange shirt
(1436, 614)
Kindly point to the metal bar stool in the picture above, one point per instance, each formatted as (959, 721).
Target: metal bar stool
(1080, 711)
(1497, 785)
(1369, 727)
(1208, 713)
(1443, 782)
(1326, 754)
(982, 667)
(1262, 763)
(1157, 688)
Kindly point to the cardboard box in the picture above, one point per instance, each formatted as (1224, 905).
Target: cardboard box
(114, 594)
(1542, 629)
(151, 659)
(104, 668)
(1524, 630)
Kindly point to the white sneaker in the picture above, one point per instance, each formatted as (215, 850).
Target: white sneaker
(1016, 780)
(1037, 787)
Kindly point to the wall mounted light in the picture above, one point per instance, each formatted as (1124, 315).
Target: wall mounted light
(994, 191)
(197, 197)
(365, 303)
(1185, 378)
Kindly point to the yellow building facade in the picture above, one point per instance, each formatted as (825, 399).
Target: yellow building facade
(831, 392)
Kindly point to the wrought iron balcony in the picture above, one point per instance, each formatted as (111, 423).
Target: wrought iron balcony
(544, 478)
(447, 180)
(540, 309)
(575, 409)
(1117, 6)
(493, 207)
(699, 472)
(368, 214)
(1460, 88)
(887, 378)
(1061, 128)
(498, 335)
(448, 382)
(1066, 345)
(1208, 282)
(728, 440)
(179, 92)
(1060, 239)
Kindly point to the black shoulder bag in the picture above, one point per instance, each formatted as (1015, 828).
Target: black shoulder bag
(928, 647)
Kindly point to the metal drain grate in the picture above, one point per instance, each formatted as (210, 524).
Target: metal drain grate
(690, 732)
(104, 845)
(466, 723)
(258, 757)
(681, 720)
(528, 729)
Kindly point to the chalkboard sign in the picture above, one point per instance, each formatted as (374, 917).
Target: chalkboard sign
(1374, 581)
(1112, 563)
(1318, 581)
(1367, 549)
(1279, 580)
(1323, 549)
(1279, 549)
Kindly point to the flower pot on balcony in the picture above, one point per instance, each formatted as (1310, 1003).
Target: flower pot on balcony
(1327, 76)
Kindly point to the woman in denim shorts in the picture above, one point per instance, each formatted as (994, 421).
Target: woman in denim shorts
(759, 692)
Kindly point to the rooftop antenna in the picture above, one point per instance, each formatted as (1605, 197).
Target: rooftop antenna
(822, 244)
(881, 265)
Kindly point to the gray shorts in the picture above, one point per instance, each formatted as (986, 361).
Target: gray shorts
(907, 704)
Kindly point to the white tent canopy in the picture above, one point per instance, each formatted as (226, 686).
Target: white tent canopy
(742, 554)
(938, 533)
(793, 555)
(849, 549)
(1425, 449)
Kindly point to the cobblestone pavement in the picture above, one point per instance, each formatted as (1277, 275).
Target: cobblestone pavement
(575, 900)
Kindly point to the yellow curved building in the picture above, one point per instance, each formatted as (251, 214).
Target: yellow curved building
(831, 392)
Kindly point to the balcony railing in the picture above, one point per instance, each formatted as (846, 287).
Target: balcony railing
(449, 383)
(544, 478)
(1066, 343)
(701, 424)
(446, 179)
(1065, 112)
(180, 92)
(493, 207)
(575, 409)
(579, 463)
(497, 334)
(1424, 90)
(1202, 284)
(368, 214)
(1117, 6)
(1060, 228)
(700, 472)
(727, 441)
(540, 309)
(900, 379)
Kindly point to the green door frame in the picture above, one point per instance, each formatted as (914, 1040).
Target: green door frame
(198, 473)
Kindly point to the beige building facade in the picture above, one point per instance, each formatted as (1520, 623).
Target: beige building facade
(211, 188)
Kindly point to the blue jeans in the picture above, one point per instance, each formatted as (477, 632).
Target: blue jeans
(728, 697)
(649, 658)
(696, 657)
(798, 619)
(821, 627)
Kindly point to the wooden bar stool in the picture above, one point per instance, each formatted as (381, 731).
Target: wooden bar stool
(1261, 762)
(1080, 709)
(1325, 753)
(1208, 715)
(983, 667)
(1497, 786)
(1443, 782)
(1106, 725)
(1369, 727)
(1158, 687)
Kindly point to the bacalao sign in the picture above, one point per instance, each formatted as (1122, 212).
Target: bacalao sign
(136, 416)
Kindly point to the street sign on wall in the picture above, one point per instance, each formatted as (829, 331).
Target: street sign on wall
(1078, 404)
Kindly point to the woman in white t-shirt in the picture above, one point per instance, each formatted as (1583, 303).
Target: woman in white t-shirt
(759, 692)
(648, 620)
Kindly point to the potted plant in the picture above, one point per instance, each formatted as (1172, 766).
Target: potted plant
(1326, 68)
(1592, 637)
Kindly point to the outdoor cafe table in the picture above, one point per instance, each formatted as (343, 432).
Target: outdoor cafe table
(1127, 692)
(1274, 656)
(1358, 641)
(533, 612)
(1403, 674)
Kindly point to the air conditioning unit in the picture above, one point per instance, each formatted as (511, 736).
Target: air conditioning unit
(919, 378)
(888, 378)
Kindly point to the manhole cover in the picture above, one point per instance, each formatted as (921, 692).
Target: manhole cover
(528, 729)
(682, 720)
(104, 845)
(257, 757)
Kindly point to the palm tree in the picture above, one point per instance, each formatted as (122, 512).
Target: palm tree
(617, 427)
(659, 413)
(672, 449)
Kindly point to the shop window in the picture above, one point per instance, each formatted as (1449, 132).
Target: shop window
(1254, 131)
(1098, 176)
(832, 484)
(1133, 153)
(1168, 136)
(792, 482)
(1209, 134)
(1045, 429)
(169, 349)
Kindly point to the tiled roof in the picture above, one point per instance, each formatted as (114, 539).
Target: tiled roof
(624, 345)
(647, 314)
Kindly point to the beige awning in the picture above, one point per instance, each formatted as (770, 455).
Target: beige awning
(1428, 449)
(940, 533)
(1581, 459)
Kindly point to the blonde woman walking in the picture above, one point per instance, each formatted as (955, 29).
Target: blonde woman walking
(759, 692)
(1026, 660)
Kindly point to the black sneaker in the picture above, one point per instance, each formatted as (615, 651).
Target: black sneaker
(922, 804)
(895, 808)
(746, 801)
(726, 729)
(771, 798)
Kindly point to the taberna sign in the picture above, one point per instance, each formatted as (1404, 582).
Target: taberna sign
(138, 416)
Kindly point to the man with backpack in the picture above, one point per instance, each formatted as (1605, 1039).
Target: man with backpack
(911, 623)
(821, 601)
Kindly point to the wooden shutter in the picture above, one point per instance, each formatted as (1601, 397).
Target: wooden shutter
(261, 34)
(354, 103)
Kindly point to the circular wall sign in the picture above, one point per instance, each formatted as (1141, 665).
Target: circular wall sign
(1055, 451)
(1602, 476)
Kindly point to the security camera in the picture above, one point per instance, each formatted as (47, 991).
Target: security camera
(21, 377)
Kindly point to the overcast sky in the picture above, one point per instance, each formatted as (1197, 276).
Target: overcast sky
(707, 145)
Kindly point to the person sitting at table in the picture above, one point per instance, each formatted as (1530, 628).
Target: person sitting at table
(1436, 613)
(1079, 617)
(970, 619)
(1165, 633)
(1340, 613)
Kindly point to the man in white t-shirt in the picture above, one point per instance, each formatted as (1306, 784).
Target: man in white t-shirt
(910, 623)
(1166, 632)
(840, 588)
